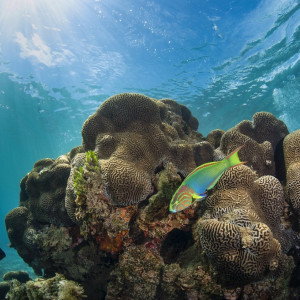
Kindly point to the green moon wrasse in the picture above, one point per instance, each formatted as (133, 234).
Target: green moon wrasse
(201, 179)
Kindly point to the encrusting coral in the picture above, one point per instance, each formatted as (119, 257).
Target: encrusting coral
(100, 216)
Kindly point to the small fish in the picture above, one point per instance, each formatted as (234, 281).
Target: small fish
(2, 254)
(203, 178)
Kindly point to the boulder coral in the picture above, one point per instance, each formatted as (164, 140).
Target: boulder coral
(291, 146)
(133, 135)
(100, 216)
(262, 138)
(43, 190)
(240, 231)
(22, 235)
(42, 203)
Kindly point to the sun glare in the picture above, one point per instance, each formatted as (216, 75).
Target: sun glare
(27, 15)
(37, 29)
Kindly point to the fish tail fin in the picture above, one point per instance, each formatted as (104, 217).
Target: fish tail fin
(234, 159)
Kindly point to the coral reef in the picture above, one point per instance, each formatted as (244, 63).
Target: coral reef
(9, 277)
(22, 235)
(245, 210)
(100, 216)
(133, 135)
(262, 138)
(56, 288)
(43, 190)
(214, 137)
(140, 269)
(291, 146)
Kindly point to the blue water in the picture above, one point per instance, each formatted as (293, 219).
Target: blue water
(59, 60)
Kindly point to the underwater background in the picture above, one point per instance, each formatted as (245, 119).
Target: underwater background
(59, 61)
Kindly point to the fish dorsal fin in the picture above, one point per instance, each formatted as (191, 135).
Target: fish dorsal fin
(203, 166)
(214, 182)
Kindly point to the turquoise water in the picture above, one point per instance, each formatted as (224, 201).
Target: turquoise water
(59, 60)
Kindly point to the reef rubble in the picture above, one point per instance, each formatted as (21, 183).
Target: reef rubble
(99, 215)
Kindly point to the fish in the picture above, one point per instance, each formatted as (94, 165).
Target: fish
(203, 178)
(2, 254)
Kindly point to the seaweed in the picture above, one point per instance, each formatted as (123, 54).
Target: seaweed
(91, 164)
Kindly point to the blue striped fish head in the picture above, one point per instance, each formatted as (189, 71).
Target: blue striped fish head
(183, 198)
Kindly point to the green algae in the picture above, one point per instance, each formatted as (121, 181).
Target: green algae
(91, 164)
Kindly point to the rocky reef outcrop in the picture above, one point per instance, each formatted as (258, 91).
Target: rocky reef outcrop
(100, 216)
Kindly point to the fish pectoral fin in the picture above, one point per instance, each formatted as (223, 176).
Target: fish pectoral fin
(197, 197)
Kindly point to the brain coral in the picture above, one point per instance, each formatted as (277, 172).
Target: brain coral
(133, 135)
(261, 138)
(240, 231)
(15, 221)
(42, 203)
(291, 146)
(22, 235)
(43, 190)
(214, 137)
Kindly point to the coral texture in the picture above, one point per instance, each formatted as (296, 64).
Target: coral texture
(214, 137)
(100, 216)
(291, 146)
(42, 201)
(261, 138)
(238, 230)
(43, 190)
(56, 288)
(133, 135)
(22, 235)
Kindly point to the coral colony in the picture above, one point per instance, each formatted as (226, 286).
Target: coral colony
(96, 220)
